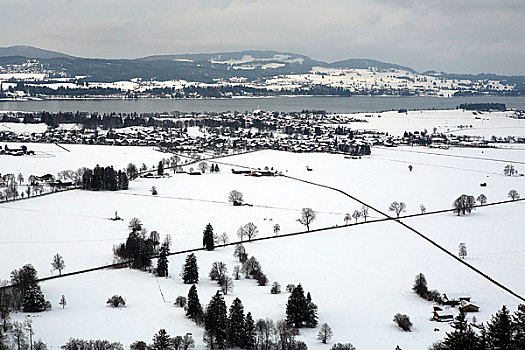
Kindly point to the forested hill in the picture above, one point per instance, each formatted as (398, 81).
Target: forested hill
(205, 67)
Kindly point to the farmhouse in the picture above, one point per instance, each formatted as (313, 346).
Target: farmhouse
(440, 316)
(466, 306)
(454, 299)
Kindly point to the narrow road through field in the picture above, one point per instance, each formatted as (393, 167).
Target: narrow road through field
(386, 217)
(435, 244)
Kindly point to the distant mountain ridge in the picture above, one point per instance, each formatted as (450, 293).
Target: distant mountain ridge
(206, 67)
(200, 67)
(364, 63)
(31, 52)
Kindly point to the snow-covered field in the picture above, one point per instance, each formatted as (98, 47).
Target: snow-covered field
(484, 124)
(359, 276)
(50, 158)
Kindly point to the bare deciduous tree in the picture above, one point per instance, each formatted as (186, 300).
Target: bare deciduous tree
(241, 233)
(237, 272)
(364, 211)
(223, 238)
(240, 252)
(235, 197)
(218, 272)
(356, 215)
(464, 204)
(250, 230)
(398, 207)
(513, 194)
(58, 263)
(462, 250)
(509, 170)
(307, 217)
(347, 218)
(325, 333)
(203, 166)
(482, 199)
(226, 285)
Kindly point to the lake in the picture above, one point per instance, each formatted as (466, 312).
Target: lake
(285, 104)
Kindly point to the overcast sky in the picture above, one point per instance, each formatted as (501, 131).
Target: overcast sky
(451, 35)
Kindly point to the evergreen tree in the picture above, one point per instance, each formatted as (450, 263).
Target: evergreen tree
(249, 340)
(33, 300)
(216, 321)
(296, 307)
(162, 341)
(160, 168)
(463, 337)
(311, 312)
(139, 250)
(24, 279)
(132, 171)
(518, 328)
(190, 271)
(207, 240)
(236, 325)
(420, 285)
(96, 181)
(162, 263)
(499, 330)
(123, 182)
(194, 310)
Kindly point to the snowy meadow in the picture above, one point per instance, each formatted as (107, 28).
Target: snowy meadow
(359, 276)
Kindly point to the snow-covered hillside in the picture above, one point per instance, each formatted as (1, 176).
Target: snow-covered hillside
(358, 275)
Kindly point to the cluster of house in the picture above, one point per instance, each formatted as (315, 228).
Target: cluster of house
(295, 132)
(444, 141)
(460, 301)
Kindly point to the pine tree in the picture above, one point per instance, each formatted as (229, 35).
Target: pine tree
(33, 300)
(190, 271)
(216, 321)
(162, 264)
(463, 337)
(420, 285)
(296, 307)
(236, 324)
(194, 310)
(123, 180)
(207, 239)
(162, 341)
(249, 333)
(518, 328)
(499, 330)
(310, 318)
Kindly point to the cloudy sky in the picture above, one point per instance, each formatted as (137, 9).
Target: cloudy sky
(450, 35)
